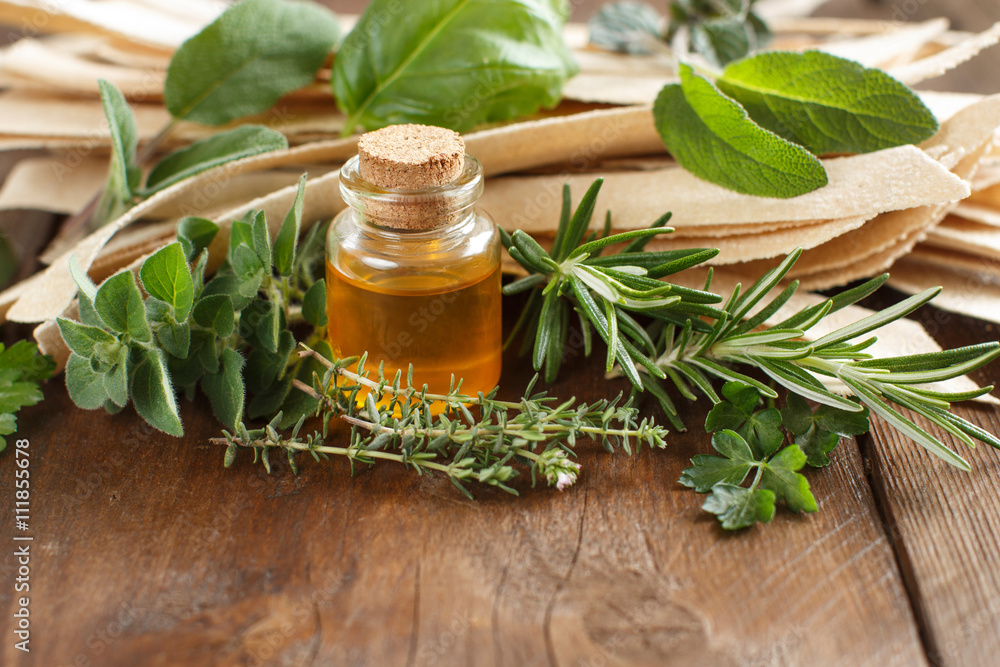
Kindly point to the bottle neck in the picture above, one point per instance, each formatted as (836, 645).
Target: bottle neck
(441, 209)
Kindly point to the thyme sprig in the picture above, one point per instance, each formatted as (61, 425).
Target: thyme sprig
(679, 345)
(391, 420)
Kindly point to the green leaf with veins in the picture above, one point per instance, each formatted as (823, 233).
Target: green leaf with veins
(195, 234)
(818, 432)
(166, 276)
(225, 389)
(711, 136)
(761, 429)
(153, 393)
(826, 103)
(85, 340)
(287, 241)
(248, 58)
(738, 507)
(120, 306)
(451, 63)
(216, 312)
(780, 475)
(731, 468)
(124, 173)
(116, 379)
(228, 146)
(21, 369)
(85, 386)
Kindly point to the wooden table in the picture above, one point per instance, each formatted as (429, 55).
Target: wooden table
(146, 551)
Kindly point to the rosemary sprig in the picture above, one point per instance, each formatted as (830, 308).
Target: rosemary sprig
(392, 420)
(681, 346)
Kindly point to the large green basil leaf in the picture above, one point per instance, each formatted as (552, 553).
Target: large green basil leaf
(452, 63)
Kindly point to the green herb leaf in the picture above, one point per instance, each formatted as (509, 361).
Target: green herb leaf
(225, 389)
(817, 444)
(247, 59)
(615, 26)
(216, 312)
(21, 368)
(217, 149)
(451, 63)
(120, 305)
(153, 393)
(116, 379)
(124, 173)
(83, 339)
(85, 386)
(780, 475)
(262, 241)
(826, 103)
(314, 304)
(174, 338)
(761, 429)
(195, 234)
(166, 276)
(288, 236)
(737, 507)
(731, 468)
(711, 136)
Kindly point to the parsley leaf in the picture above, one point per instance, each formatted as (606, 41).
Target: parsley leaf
(21, 369)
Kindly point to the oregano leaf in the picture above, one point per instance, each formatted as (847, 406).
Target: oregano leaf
(82, 339)
(166, 276)
(288, 236)
(116, 379)
(153, 393)
(124, 173)
(85, 387)
(826, 103)
(217, 149)
(175, 338)
(711, 136)
(120, 305)
(247, 59)
(195, 234)
(216, 312)
(314, 304)
(225, 389)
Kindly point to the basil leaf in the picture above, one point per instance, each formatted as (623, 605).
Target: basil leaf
(120, 305)
(195, 234)
(828, 104)
(288, 236)
(615, 24)
(225, 389)
(124, 173)
(245, 60)
(218, 149)
(452, 63)
(711, 136)
(166, 276)
(153, 393)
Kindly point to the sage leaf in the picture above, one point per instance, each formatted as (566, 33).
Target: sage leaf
(711, 136)
(153, 393)
(120, 305)
(85, 387)
(288, 236)
(314, 304)
(221, 148)
(826, 103)
(124, 174)
(225, 389)
(194, 235)
(247, 59)
(166, 276)
(216, 312)
(452, 63)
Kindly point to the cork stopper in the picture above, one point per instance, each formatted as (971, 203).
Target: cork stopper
(411, 157)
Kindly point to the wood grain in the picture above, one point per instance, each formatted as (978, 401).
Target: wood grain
(147, 551)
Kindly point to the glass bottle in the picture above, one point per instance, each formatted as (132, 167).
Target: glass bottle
(413, 269)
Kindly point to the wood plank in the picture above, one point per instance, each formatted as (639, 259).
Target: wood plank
(944, 521)
(147, 551)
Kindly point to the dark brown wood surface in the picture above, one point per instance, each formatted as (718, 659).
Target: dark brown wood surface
(147, 551)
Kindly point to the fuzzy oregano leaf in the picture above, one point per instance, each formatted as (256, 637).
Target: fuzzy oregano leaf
(153, 393)
(711, 136)
(217, 149)
(826, 103)
(248, 58)
(194, 235)
(120, 306)
(225, 389)
(451, 63)
(124, 174)
(166, 276)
